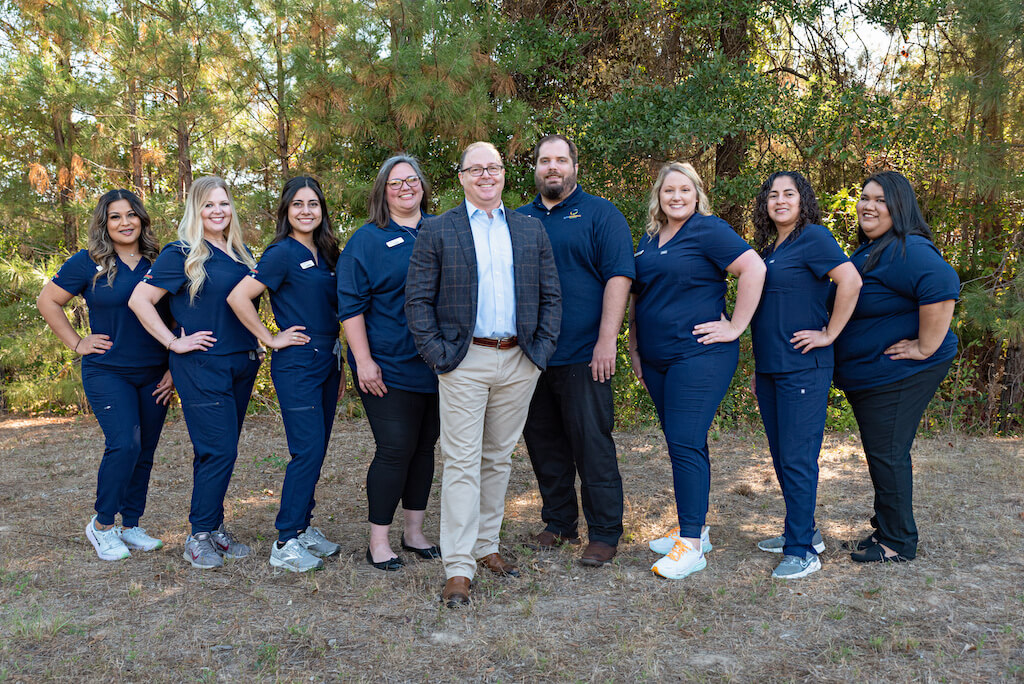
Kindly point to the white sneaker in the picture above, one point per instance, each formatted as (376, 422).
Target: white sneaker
(136, 538)
(795, 567)
(681, 561)
(314, 540)
(294, 556)
(107, 543)
(663, 545)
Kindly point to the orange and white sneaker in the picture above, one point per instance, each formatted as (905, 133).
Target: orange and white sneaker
(681, 561)
(663, 545)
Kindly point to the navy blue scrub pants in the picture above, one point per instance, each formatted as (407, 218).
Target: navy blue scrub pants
(793, 407)
(888, 417)
(569, 430)
(405, 427)
(214, 392)
(686, 393)
(123, 402)
(306, 379)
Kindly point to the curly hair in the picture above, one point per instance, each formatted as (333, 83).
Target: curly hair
(101, 247)
(656, 219)
(765, 231)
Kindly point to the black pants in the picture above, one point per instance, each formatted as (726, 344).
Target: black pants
(569, 430)
(405, 427)
(888, 417)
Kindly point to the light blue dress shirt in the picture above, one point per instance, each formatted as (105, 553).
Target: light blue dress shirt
(496, 288)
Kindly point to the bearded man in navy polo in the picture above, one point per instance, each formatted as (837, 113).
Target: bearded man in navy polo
(569, 427)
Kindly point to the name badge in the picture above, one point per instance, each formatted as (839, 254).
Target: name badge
(395, 242)
(664, 251)
(98, 267)
(307, 264)
(638, 253)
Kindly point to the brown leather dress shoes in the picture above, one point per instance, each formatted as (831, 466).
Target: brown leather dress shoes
(597, 554)
(456, 592)
(546, 541)
(496, 564)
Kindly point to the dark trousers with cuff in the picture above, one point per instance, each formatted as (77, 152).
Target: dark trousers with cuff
(306, 379)
(405, 426)
(569, 431)
(793, 407)
(131, 419)
(888, 417)
(214, 392)
(686, 393)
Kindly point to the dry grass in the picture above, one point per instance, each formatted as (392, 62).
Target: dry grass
(954, 614)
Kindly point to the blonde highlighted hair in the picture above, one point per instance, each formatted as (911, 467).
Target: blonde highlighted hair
(656, 219)
(190, 233)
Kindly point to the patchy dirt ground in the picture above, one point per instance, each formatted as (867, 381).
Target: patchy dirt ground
(954, 614)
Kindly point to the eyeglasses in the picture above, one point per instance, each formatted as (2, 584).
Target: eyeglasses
(411, 181)
(477, 171)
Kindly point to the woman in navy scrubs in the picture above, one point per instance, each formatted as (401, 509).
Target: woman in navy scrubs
(213, 361)
(895, 351)
(398, 390)
(124, 371)
(298, 269)
(682, 345)
(793, 333)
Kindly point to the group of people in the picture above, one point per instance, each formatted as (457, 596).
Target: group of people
(482, 324)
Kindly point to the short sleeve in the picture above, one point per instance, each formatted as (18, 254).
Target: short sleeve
(353, 279)
(616, 244)
(932, 279)
(822, 253)
(720, 243)
(168, 271)
(272, 267)
(76, 273)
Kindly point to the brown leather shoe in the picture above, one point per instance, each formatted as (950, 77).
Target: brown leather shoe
(496, 564)
(546, 541)
(597, 554)
(456, 592)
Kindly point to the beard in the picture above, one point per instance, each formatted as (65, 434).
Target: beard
(557, 190)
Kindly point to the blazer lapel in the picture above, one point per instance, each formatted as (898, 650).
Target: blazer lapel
(464, 234)
(520, 259)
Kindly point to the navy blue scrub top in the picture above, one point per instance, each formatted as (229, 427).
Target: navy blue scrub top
(795, 297)
(887, 312)
(592, 243)
(210, 310)
(371, 281)
(682, 284)
(303, 291)
(132, 346)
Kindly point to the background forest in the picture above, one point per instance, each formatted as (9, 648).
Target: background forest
(96, 94)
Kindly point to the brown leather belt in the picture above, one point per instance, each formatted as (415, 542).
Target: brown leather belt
(497, 343)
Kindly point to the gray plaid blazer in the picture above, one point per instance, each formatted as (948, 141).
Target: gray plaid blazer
(441, 289)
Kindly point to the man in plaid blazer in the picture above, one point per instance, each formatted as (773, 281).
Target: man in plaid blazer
(484, 307)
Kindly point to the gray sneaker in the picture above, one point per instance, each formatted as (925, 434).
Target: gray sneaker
(795, 567)
(776, 544)
(200, 552)
(227, 545)
(317, 544)
(294, 556)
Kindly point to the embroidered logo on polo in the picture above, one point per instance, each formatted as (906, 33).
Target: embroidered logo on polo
(574, 214)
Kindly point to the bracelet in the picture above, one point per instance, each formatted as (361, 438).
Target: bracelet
(170, 342)
(80, 340)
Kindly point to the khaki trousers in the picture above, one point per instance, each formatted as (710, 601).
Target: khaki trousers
(483, 404)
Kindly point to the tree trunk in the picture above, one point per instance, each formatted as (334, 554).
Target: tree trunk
(282, 109)
(184, 155)
(730, 153)
(133, 137)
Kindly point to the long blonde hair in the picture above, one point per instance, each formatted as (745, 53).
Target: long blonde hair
(190, 232)
(656, 219)
(101, 247)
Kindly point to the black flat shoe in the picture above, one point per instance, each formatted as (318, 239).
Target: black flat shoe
(876, 554)
(429, 553)
(387, 565)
